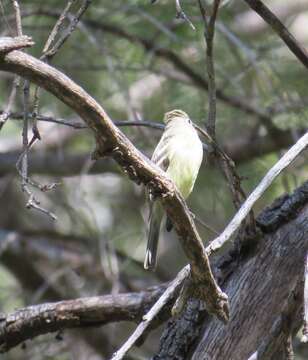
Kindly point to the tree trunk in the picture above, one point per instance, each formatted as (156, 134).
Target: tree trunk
(264, 282)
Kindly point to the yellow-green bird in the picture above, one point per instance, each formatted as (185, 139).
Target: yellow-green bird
(179, 153)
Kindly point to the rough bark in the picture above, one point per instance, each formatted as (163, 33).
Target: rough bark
(40, 319)
(262, 281)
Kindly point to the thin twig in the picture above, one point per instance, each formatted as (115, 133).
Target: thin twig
(33, 203)
(169, 56)
(4, 117)
(80, 125)
(209, 33)
(22, 163)
(50, 50)
(47, 54)
(57, 26)
(226, 164)
(152, 313)
(74, 22)
(180, 14)
(51, 38)
(270, 176)
(17, 17)
(25, 140)
(6, 113)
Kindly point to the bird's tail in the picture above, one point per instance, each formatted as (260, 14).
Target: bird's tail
(156, 216)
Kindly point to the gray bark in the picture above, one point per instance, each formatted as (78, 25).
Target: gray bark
(264, 283)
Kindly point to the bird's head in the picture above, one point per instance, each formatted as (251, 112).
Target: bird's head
(175, 114)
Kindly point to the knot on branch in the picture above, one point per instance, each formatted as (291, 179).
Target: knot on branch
(195, 289)
(161, 187)
(132, 173)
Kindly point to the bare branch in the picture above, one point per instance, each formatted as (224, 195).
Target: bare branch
(16, 81)
(6, 113)
(17, 17)
(29, 322)
(270, 176)
(51, 38)
(266, 14)
(226, 164)
(50, 52)
(148, 318)
(32, 202)
(22, 41)
(209, 32)
(111, 141)
(57, 26)
(181, 14)
(240, 148)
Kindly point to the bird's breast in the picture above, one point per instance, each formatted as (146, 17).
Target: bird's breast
(186, 154)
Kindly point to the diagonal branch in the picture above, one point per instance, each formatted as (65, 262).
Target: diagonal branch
(271, 175)
(152, 313)
(111, 141)
(272, 20)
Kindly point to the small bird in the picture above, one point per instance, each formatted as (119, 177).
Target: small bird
(179, 153)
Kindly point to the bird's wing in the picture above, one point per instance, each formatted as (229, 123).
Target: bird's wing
(160, 155)
(161, 159)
